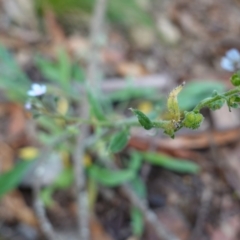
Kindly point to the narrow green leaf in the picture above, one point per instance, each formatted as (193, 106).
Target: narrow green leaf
(92, 193)
(48, 68)
(78, 73)
(96, 108)
(137, 222)
(10, 179)
(131, 92)
(46, 196)
(108, 177)
(139, 187)
(64, 179)
(143, 119)
(119, 141)
(135, 161)
(11, 75)
(64, 67)
(178, 165)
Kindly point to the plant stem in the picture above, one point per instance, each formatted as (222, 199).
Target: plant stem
(92, 76)
(210, 100)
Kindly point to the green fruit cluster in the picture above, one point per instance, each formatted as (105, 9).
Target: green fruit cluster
(192, 120)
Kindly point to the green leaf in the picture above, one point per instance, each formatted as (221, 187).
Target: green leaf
(10, 179)
(48, 68)
(108, 177)
(64, 67)
(137, 222)
(46, 196)
(64, 179)
(71, 9)
(175, 164)
(78, 73)
(135, 161)
(119, 141)
(139, 187)
(11, 75)
(96, 108)
(130, 93)
(143, 119)
(59, 71)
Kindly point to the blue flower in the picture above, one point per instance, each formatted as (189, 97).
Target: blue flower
(37, 90)
(231, 61)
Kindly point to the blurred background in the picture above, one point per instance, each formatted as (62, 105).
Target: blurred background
(137, 51)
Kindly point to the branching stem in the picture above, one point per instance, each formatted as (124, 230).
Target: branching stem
(210, 100)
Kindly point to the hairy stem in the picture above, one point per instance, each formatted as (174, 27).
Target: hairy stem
(210, 100)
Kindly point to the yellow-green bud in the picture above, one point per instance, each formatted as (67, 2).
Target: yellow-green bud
(192, 120)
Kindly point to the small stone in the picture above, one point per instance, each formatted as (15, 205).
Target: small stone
(143, 37)
(169, 32)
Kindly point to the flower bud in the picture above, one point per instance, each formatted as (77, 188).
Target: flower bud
(217, 104)
(192, 120)
(235, 79)
(234, 101)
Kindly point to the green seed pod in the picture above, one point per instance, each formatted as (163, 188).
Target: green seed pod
(217, 104)
(235, 79)
(192, 120)
(234, 101)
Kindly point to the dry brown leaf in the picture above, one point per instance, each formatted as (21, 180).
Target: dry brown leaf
(228, 229)
(13, 121)
(131, 69)
(55, 31)
(6, 157)
(97, 231)
(173, 220)
(78, 46)
(14, 208)
(191, 141)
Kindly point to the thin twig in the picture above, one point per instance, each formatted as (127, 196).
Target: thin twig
(202, 214)
(83, 112)
(44, 223)
(150, 217)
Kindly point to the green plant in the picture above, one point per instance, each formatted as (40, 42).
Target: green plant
(131, 10)
(52, 105)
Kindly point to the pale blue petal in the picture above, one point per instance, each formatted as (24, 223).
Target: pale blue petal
(227, 65)
(31, 93)
(233, 55)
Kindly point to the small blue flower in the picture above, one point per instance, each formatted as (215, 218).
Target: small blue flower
(37, 90)
(231, 61)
